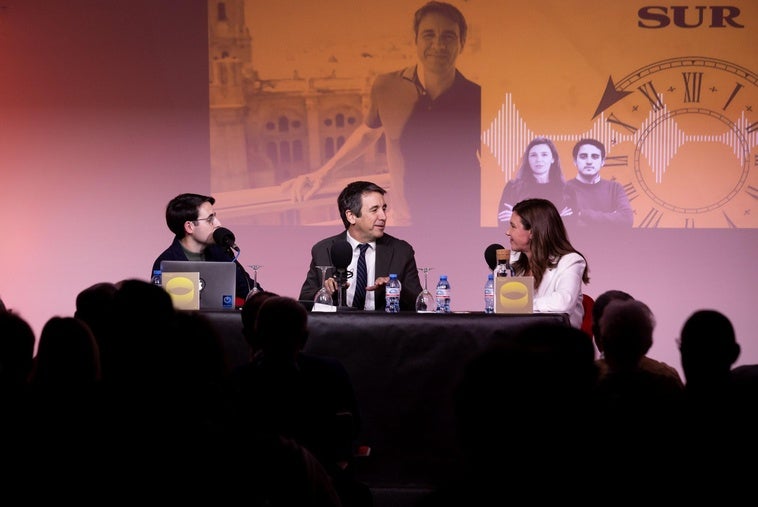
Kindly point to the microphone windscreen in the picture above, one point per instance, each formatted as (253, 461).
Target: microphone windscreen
(490, 255)
(224, 237)
(341, 254)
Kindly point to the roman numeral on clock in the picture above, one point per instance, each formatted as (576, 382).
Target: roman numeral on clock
(648, 90)
(612, 118)
(692, 83)
(729, 221)
(617, 160)
(631, 192)
(652, 219)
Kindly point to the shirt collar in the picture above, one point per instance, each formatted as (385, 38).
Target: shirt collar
(354, 242)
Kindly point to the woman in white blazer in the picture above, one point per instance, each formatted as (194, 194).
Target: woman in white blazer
(543, 250)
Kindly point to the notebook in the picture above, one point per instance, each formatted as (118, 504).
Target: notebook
(514, 294)
(217, 281)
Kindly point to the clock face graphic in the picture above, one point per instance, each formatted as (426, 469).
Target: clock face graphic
(683, 136)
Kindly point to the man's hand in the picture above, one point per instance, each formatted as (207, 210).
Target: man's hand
(382, 280)
(302, 188)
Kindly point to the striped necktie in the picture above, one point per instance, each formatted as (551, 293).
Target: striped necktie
(359, 298)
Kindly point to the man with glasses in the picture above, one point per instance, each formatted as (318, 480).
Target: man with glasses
(192, 220)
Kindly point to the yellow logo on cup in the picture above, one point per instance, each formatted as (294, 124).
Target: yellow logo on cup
(514, 296)
(181, 289)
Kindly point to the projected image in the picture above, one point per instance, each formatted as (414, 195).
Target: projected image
(339, 104)
(441, 111)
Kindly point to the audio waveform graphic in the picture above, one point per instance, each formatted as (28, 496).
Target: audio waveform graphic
(508, 135)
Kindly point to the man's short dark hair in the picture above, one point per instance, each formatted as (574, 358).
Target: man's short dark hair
(351, 198)
(594, 142)
(183, 208)
(445, 9)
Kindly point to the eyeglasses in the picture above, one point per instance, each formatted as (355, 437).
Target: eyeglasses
(210, 219)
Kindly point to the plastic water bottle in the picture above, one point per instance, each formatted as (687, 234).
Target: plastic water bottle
(392, 295)
(156, 279)
(489, 294)
(443, 295)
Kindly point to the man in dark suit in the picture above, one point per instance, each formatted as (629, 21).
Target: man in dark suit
(364, 213)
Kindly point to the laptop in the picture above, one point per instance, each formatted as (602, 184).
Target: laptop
(217, 281)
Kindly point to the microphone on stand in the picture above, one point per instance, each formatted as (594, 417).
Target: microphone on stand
(490, 255)
(224, 238)
(341, 254)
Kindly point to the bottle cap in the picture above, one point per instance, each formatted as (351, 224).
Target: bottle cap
(502, 254)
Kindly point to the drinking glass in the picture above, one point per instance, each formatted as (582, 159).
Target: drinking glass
(255, 289)
(425, 301)
(322, 296)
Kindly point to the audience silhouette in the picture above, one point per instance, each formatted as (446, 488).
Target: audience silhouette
(16, 359)
(94, 307)
(524, 411)
(646, 363)
(16, 351)
(720, 413)
(639, 408)
(307, 398)
(128, 379)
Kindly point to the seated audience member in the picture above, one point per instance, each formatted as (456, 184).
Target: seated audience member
(709, 348)
(524, 412)
(626, 390)
(2, 306)
(646, 363)
(192, 220)
(542, 249)
(364, 213)
(94, 307)
(67, 356)
(721, 415)
(65, 391)
(249, 315)
(16, 352)
(296, 395)
(16, 360)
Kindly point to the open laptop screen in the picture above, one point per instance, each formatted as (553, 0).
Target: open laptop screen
(217, 281)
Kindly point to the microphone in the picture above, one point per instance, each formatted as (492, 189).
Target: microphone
(341, 255)
(490, 255)
(225, 238)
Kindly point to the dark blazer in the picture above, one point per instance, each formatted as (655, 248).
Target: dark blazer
(393, 255)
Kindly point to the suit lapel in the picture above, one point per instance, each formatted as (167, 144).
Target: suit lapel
(383, 257)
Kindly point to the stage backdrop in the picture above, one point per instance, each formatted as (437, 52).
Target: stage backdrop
(109, 109)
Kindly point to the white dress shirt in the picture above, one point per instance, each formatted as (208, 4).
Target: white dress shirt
(370, 272)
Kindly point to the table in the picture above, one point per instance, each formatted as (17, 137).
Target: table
(404, 368)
